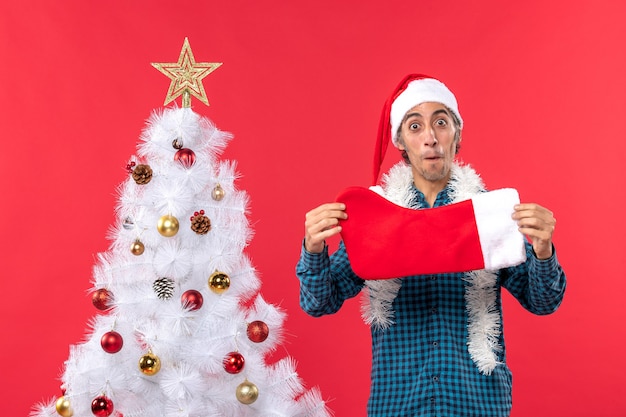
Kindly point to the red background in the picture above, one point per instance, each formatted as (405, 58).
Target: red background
(541, 89)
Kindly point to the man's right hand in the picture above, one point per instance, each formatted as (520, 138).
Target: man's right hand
(321, 223)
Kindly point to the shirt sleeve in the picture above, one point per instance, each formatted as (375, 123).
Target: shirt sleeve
(326, 281)
(539, 285)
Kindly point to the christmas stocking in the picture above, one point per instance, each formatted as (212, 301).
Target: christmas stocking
(384, 240)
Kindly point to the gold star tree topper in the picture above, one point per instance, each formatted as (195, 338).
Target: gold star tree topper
(186, 76)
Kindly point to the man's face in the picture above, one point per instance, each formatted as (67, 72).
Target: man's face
(427, 136)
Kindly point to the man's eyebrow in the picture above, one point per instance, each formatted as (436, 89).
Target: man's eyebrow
(409, 115)
(416, 114)
(445, 111)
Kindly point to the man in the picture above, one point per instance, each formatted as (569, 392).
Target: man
(437, 343)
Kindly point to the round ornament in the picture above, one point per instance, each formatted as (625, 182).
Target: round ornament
(102, 406)
(168, 225)
(149, 364)
(234, 362)
(218, 193)
(192, 299)
(111, 342)
(102, 299)
(257, 331)
(219, 282)
(186, 157)
(129, 223)
(247, 392)
(137, 248)
(64, 408)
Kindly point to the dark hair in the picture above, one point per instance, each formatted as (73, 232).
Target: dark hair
(457, 135)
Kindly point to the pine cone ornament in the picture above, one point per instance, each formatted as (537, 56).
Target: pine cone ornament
(142, 174)
(164, 288)
(200, 223)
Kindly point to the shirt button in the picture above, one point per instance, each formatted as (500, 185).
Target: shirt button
(432, 399)
(433, 310)
(433, 277)
(435, 344)
(436, 379)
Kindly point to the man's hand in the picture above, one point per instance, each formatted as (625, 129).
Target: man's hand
(538, 224)
(322, 223)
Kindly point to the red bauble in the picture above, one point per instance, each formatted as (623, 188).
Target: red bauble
(102, 298)
(112, 342)
(102, 406)
(233, 362)
(185, 156)
(192, 299)
(257, 331)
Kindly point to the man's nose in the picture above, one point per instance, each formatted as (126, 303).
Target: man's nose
(430, 138)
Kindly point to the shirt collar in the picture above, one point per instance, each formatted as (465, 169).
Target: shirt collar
(419, 200)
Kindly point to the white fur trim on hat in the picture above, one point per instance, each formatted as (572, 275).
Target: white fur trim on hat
(417, 92)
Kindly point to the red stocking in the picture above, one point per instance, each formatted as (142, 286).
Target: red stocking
(384, 240)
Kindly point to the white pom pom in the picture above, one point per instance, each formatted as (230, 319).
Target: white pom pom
(172, 260)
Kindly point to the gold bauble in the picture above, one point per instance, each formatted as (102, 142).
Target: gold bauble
(247, 392)
(218, 193)
(137, 248)
(219, 282)
(64, 408)
(150, 364)
(168, 225)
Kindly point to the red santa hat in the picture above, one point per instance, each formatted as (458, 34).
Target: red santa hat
(414, 89)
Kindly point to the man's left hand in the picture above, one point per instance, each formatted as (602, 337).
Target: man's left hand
(538, 224)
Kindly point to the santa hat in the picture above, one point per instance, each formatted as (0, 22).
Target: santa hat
(414, 89)
(384, 240)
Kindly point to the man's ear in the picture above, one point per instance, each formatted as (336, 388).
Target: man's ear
(400, 143)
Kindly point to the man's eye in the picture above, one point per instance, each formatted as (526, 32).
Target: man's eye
(441, 122)
(414, 126)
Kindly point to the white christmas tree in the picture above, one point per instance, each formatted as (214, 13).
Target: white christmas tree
(183, 330)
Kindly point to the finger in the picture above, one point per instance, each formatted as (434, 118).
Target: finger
(324, 209)
(314, 242)
(534, 227)
(325, 215)
(319, 223)
(531, 208)
(527, 206)
(535, 219)
(316, 225)
(536, 234)
(536, 212)
(326, 233)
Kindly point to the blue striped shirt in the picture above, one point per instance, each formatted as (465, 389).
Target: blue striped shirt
(421, 365)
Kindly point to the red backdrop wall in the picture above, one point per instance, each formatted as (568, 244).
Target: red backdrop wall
(541, 89)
